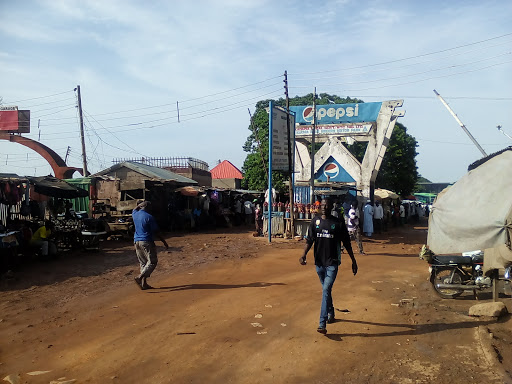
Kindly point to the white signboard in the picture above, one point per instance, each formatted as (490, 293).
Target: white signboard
(334, 129)
(280, 139)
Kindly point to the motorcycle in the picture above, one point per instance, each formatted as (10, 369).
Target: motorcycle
(451, 275)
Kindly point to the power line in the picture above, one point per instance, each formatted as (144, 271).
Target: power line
(35, 98)
(110, 145)
(234, 89)
(204, 113)
(409, 75)
(53, 113)
(406, 58)
(416, 81)
(479, 98)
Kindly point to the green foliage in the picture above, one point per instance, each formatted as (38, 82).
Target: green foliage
(398, 171)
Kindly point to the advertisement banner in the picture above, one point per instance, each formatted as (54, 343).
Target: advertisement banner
(23, 121)
(337, 113)
(280, 142)
(333, 129)
(8, 118)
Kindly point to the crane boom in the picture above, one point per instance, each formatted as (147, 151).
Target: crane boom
(461, 124)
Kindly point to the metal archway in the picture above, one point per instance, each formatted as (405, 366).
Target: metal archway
(59, 167)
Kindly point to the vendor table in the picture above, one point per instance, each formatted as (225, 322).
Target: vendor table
(8, 250)
(277, 223)
(301, 226)
(91, 240)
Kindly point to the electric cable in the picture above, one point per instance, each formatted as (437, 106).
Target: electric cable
(348, 91)
(407, 58)
(408, 75)
(35, 98)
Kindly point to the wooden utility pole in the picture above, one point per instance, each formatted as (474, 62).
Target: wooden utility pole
(291, 145)
(84, 157)
(312, 179)
(67, 153)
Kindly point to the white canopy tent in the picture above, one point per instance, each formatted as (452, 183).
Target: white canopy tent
(475, 213)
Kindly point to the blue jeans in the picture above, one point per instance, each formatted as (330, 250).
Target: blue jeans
(327, 277)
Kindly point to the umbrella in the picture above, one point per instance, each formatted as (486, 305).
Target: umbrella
(53, 187)
(385, 194)
(190, 190)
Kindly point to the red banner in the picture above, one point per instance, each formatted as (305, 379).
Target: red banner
(9, 120)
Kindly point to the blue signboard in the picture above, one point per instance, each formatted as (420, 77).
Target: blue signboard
(333, 171)
(337, 113)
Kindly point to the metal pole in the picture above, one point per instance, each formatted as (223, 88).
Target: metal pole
(502, 131)
(291, 165)
(84, 157)
(312, 179)
(460, 123)
(271, 111)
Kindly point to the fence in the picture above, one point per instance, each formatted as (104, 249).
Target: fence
(169, 162)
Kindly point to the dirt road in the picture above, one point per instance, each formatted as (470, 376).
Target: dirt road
(230, 308)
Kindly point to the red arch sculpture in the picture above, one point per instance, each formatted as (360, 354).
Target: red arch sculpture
(59, 167)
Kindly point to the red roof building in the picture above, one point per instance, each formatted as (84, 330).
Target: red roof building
(226, 170)
(226, 175)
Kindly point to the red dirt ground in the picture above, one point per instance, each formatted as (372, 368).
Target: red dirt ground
(231, 308)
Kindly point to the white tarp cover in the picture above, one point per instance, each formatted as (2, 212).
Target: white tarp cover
(475, 213)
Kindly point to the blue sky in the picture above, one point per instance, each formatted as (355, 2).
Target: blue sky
(135, 60)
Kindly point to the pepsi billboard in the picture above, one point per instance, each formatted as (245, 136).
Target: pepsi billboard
(337, 113)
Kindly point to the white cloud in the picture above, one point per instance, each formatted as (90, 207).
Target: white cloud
(129, 56)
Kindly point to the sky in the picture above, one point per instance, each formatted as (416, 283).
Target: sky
(140, 64)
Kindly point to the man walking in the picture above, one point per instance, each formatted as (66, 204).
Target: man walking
(145, 248)
(327, 233)
(368, 218)
(378, 215)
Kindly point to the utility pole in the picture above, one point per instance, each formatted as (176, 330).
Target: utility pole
(312, 179)
(67, 153)
(291, 145)
(84, 157)
(460, 123)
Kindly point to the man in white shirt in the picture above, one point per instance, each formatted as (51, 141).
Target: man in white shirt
(249, 210)
(368, 218)
(378, 215)
(238, 211)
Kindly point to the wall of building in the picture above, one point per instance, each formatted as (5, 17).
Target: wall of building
(204, 178)
(227, 183)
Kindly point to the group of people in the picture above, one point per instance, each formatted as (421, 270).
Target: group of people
(328, 234)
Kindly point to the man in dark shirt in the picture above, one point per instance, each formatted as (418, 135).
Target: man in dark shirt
(145, 230)
(327, 233)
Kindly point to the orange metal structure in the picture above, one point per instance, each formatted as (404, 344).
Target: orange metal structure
(60, 169)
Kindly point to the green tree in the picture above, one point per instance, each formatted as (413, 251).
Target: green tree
(398, 171)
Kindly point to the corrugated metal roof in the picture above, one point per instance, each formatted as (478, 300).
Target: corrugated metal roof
(226, 170)
(149, 171)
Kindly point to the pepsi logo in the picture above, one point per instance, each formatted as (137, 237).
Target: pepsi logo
(331, 170)
(307, 114)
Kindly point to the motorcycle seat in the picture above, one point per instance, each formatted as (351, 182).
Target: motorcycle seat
(451, 259)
